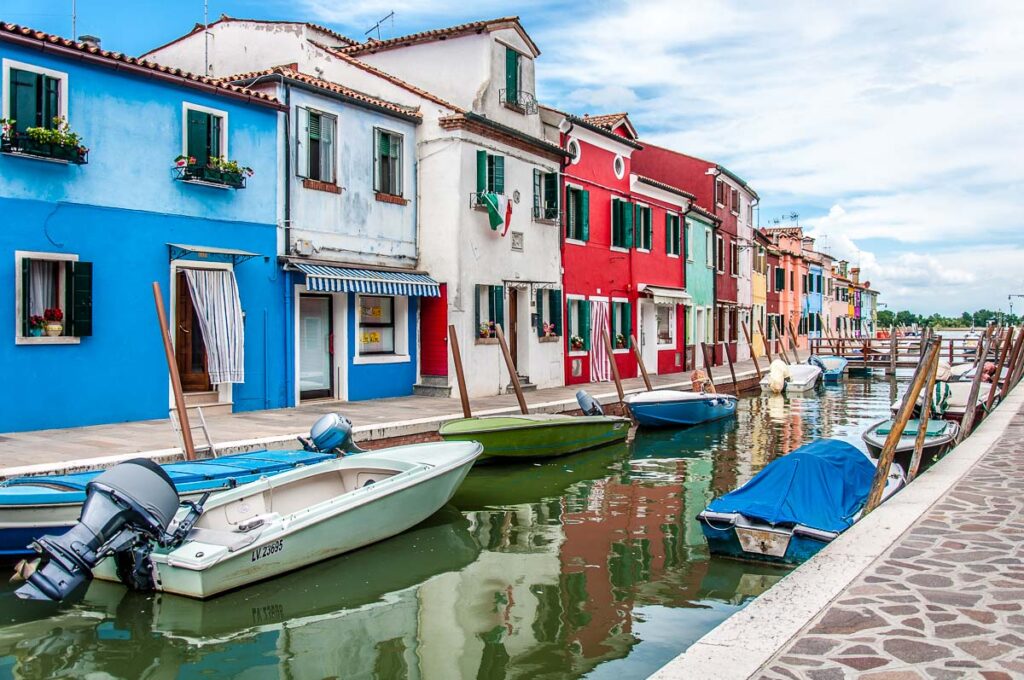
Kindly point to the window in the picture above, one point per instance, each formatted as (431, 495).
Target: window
(55, 288)
(666, 316)
(513, 76)
(579, 325)
(315, 145)
(573, 147)
(792, 280)
(545, 195)
(622, 324)
(619, 167)
(709, 250)
(490, 173)
(688, 241)
(35, 97)
(205, 134)
(720, 192)
(387, 161)
(735, 202)
(644, 233)
(577, 214)
(376, 325)
(780, 279)
(549, 313)
(489, 310)
(719, 254)
(622, 223)
(734, 257)
(750, 214)
(671, 234)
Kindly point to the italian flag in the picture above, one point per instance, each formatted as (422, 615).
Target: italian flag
(499, 211)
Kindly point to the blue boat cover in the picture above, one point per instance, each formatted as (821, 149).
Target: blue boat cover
(820, 485)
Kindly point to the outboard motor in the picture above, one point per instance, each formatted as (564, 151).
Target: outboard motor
(130, 503)
(331, 433)
(589, 405)
(814, 360)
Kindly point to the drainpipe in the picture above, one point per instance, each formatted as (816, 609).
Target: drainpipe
(289, 325)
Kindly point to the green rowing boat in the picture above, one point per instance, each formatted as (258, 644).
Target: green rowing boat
(536, 436)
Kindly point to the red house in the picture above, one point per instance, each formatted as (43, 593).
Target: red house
(621, 252)
(716, 190)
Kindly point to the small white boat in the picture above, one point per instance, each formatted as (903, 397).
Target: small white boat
(802, 378)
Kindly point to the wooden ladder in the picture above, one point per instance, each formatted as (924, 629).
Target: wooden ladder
(194, 424)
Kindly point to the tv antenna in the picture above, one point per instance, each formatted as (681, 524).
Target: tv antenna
(376, 26)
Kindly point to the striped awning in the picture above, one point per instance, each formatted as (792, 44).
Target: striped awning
(323, 278)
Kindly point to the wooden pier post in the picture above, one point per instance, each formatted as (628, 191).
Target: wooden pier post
(795, 340)
(750, 343)
(172, 368)
(894, 348)
(1016, 361)
(893, 439)
(970, 414)
(767, 352)
(732, 371)
(707, 364)
(460, 377)
(782, 341)
(512, 370)
(1007, 341)
(640, 362)
(926, 411)
(615, 366)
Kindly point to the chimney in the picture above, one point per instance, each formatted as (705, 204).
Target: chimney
(855, 275)
(842, 268)
(90, 41)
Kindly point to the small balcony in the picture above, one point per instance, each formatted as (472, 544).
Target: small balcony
(518, 100)
(21, 144)
(547, 213)
(208, 176)
(477, 201)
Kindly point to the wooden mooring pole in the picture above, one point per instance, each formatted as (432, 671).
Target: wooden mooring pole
(172, 368)
(1016, 364)
(782, 341)
(640, 362)
(796, 341)
(732, 371)
(926, 411)
(512, 370)
(767, 352)
(707, 364)
(750, 343)
(460, 377)
(1007, 341)
(614, 366)
(894, 348)
(895, 434)
(971, 410)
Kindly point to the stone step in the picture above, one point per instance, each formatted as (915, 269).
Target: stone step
(202, 398)
(525, 383)
(426, 390)
(434, 380)
(218, 409)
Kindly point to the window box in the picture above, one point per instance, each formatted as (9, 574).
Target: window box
(549, 338)
(209, 175)
(19, 143)
(487, 341)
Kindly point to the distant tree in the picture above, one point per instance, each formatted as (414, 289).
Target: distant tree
(906, 318)
(886, 318)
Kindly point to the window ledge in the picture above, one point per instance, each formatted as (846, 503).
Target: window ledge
(514, 107)
(391, 198)
(578, 353)
(546, 220)
(204, 183)
(549, 338)
(618, 249)
(643, 250)
(575, 242)
(35, 157)
(486, 341)
(621, 351)
(47, 340)
(380, 359)
(317, 185)
(668, 346)
(673, 255)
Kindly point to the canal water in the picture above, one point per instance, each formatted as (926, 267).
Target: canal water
(585, 566)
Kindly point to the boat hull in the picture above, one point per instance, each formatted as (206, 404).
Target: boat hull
(531, 437)
(683, 413)
(726, 542)
(934, 446)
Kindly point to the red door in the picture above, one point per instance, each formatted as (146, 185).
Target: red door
(434, 334)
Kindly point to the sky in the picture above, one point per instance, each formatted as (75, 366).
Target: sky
(893, 129)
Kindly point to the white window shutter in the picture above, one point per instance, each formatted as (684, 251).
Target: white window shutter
(327, 127)
(302, 142)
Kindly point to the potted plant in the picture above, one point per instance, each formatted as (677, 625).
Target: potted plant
(488, 330)
(549, 329)
(620, 341)
(54, 319)
(230, 171)
(58, 141)
(576, 343)
(36, 325)
(6, 133)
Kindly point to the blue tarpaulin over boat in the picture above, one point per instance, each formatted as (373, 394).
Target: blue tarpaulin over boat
(820, 485)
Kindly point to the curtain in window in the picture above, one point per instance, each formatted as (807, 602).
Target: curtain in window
(42, 290)
(600, 362)
(215, 296)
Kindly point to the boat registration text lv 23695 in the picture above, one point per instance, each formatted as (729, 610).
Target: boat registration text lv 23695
(266, 550)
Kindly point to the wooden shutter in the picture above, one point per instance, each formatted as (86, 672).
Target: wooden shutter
(585, 322)
(327, 128)
(51, 101)
(585, 214)
(476, 311)
(511, 76)
(540, 309)
(481, 171)
(555, 302)
(668, 233)
(498, 180)
(302, 143)
(26, 284)
(570, 212)
(213, 143)
(498, 295)
(536, 194)
(24, 98)
(627, 223)
(79, 285)
(627, 321)
(648, 229)
(198, 130)
(551, 194)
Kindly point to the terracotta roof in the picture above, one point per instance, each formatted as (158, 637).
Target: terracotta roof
(795, 232)
(433, 35)
(704, 213)
(224, 18)
(610, 121)
(606, 132)
(395, 80)
(665, 187)
(319, 83)
(117, 60)
(485, 125)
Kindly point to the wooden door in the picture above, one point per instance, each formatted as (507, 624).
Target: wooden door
(513, 326)
(189, 349)
(434, 334)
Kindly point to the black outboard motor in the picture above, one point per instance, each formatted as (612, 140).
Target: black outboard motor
(589, 405)
(331, 433)
(131, 502)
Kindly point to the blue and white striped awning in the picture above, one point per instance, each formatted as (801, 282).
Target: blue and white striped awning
(323, 278)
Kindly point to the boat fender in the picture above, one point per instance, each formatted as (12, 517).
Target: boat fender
(589, 405)
(778, 374)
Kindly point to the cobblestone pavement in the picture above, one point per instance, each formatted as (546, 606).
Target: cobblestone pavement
(945, 601)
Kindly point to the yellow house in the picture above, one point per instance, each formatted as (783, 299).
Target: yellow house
(759, 292)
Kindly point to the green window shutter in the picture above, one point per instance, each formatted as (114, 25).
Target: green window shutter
(51, 101)
(301, 142)
(648, 229)
(476, 310)
(627, 224)
(511, 76)
(26, 283)
(24, 98)
(80, 306)
(668, 234)
(585, 322)
(540, 313)
(378, 165)
(627, 321)
(327, 125)
(555, 302)
(498, 292)
(551, 194)
(536, 194)
(481, 171)
(570, 212)
(216, 123)
(499, 174)
(198, 130)
(585, 214)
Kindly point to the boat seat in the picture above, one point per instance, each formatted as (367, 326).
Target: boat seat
(232, 540)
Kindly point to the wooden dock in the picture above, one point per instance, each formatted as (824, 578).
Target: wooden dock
(888, 354)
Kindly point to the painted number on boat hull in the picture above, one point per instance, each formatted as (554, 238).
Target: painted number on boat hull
(266, 550)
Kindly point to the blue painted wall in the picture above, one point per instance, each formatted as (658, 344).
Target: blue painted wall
(119, 212)
(813, 301)
(374, 381)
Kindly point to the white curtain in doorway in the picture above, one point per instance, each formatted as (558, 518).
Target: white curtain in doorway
(41, 291)
(215, 296)
(600, 362)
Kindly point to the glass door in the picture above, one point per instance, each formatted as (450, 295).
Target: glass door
(316, 346)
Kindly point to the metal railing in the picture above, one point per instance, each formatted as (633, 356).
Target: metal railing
(520, 100)
(22, 143)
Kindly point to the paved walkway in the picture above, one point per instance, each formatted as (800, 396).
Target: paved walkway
(25, 452)
(945, 601)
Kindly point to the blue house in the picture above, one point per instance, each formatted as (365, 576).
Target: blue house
(116, 173)
(811, 318)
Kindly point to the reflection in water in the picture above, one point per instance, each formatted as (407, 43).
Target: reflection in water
(587, 565)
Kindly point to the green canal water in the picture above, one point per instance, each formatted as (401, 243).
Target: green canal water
(585, 566)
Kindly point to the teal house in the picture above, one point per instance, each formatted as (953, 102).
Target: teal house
(701, 227)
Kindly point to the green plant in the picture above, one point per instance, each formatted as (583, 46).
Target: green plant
(7, 126)
(60, 134)
(228, 166)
